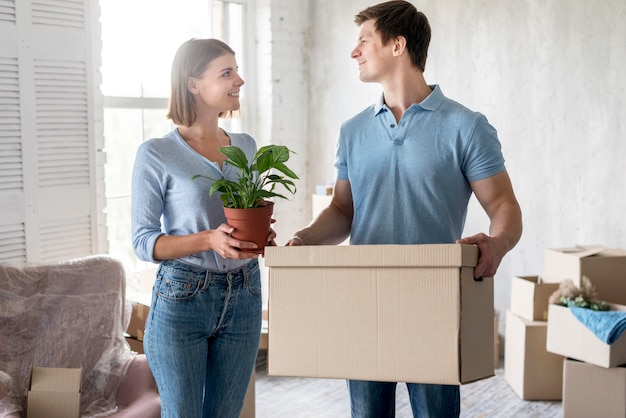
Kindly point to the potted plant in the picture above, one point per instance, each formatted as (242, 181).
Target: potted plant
(246, 201)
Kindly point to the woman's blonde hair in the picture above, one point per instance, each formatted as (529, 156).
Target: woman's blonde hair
(191, 60)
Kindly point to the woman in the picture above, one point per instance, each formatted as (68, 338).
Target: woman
(204, 326)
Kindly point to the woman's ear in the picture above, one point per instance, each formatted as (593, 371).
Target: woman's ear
(191, 85)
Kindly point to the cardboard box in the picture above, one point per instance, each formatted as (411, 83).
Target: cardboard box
(592, 391)
(529, 297)
(137, 324)
(406, 313)
(135, 344)
(532, 372)
(605, 267)
(496, 343)
(569, 337)
(54, 393)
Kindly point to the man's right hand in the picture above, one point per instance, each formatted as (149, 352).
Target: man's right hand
(294, 241)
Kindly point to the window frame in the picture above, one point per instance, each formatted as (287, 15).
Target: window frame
(247, 113)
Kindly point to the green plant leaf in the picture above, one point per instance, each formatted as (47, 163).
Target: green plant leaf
(285, 170)
(255, 180)
(235, 156)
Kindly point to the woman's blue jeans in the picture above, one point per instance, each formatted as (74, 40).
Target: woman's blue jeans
(378, 400)
(202, 338)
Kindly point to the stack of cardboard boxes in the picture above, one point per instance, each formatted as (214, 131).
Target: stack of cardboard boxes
(542, 339)
(532, 372)
(593, 382)
(136, 326)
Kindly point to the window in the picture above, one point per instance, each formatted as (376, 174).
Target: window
(139, 40)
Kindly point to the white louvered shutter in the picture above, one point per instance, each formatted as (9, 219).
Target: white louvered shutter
(51, 187)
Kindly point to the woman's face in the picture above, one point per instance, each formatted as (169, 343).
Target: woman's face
(217, 88)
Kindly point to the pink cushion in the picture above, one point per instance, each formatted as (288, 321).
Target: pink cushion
(137, 395)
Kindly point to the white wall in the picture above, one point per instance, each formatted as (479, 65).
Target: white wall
(548, 75)
(282, 30)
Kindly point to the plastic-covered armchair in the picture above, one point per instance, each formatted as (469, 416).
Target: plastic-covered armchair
(72, 314)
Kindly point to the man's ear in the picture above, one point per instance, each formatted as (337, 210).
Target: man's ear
(399, 45)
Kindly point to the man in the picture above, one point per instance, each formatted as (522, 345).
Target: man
(406, 168)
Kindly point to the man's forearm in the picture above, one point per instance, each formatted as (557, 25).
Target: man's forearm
(330, 227)
(506, 226)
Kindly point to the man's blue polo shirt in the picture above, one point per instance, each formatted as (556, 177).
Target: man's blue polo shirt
(411, 180)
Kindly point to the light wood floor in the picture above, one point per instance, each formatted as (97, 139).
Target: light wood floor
(282, 397)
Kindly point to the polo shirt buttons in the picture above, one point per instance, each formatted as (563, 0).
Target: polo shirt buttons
(392, 125)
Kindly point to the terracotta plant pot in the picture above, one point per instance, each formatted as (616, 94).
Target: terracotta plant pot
(251, 224)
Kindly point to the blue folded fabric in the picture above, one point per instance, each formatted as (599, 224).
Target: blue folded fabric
(606, 325)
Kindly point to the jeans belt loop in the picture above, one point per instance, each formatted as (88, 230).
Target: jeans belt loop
(207, 279)
(246, 277)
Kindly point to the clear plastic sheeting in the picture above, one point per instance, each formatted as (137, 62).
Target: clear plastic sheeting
(9, 404)
(69, 314)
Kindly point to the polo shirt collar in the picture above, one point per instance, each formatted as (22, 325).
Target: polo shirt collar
(380, 105)
(432, 102)
(434, 99)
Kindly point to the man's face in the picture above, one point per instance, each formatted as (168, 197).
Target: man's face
(371, 55)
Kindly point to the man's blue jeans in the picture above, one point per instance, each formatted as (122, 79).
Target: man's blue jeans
(202, 338)
(378, 400)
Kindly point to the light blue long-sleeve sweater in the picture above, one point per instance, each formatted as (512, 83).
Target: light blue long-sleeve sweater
(164, 199)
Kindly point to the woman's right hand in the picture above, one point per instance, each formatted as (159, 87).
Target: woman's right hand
(168, 247)
(228, 247)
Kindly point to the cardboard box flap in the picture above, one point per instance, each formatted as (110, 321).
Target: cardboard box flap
(49, 379)
(604, 266)
(436, 255)
(582, 251)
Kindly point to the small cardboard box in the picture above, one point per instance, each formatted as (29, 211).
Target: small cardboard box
(532, 372)
(569, 337)
(54, 393)
(405, 313)
(605, 267)
(592, 391)
(137, 324)
(135, 344)
(529, 297)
